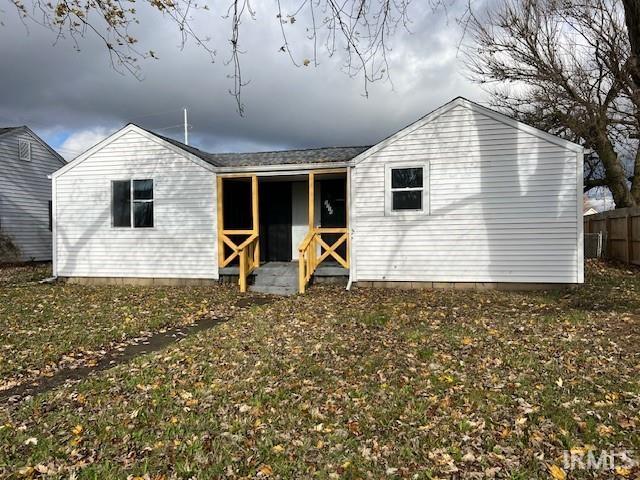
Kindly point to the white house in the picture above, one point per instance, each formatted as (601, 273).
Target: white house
(590, 211)
(463, 196)
(25, 195)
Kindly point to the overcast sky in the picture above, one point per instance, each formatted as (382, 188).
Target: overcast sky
(74, 99)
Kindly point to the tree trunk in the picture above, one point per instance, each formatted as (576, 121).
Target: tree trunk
(635, 181)
(632, 19)
(614, 173)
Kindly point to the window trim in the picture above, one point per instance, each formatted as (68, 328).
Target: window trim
(132, 201)
(143, 200)
(22, 142)
(388, 190)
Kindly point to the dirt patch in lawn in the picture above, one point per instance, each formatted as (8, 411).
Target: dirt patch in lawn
(140, 346)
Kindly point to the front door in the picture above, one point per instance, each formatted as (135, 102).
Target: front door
(333, 210)
(275, 221)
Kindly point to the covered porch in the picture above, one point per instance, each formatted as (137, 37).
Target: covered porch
(297, 221)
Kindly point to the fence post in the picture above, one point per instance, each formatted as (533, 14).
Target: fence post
(607, 232)
(629, 238)
(599, 252)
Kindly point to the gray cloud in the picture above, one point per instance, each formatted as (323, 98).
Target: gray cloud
(57, 90)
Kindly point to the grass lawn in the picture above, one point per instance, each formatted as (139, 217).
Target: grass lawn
(363, 384)
(46, 327)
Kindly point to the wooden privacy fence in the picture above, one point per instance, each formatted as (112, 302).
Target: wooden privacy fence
(621, 232)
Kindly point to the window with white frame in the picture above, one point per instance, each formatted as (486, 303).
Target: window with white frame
(407, 189)
(24, 148)
(132, 203)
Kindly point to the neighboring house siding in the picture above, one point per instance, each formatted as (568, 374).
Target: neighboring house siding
(503, 207)
(182, 243)
(25, 192)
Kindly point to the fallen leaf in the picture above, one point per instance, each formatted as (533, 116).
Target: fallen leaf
(557, 473)
(265, 471)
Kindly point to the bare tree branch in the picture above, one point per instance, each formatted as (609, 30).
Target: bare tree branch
(357, 30)
(568, 69)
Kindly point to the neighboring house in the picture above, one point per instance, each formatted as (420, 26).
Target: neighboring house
(26, 161)
(463, 196)
(590, 211)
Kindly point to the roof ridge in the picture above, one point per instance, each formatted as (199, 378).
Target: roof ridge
(289, 150)
(248, 153)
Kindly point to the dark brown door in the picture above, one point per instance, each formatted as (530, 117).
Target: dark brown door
(275, 221)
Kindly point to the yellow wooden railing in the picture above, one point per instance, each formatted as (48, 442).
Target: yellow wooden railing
(309, 258)
(248, 253)
(248, 250)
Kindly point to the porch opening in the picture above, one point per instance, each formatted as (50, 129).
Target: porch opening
(282, 217)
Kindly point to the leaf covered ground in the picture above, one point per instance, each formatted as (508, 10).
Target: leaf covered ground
(45, 327)
(362, 384)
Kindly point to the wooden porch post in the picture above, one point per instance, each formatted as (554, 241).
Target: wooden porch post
(312, 203)
(220, 198)
(255, 216)
(347, 214)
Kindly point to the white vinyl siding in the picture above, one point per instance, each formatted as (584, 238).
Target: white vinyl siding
(503, 206)
(24, 146)
(25, 192)
(182, 242)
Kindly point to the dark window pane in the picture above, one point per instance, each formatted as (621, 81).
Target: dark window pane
(143, 214)
(411, 200)
(143, 189)
(121, 203)
(406, 177)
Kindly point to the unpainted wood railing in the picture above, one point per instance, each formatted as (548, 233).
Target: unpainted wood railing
(308, 257)
(248, 253)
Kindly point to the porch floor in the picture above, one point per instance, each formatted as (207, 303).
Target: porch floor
(281, 278)
(326, 269)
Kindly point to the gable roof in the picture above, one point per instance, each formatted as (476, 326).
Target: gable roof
(164, 141)
(461, 101)
(45, 145)
(275, 157)
(312, 156)
(212, 161)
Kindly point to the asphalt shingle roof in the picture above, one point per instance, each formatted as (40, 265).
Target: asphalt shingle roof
(283, 157)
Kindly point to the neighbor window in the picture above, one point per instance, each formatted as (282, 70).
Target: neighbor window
(24, 147)
(132, 203)
(407, 189)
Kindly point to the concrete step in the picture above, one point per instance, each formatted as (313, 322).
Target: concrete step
(276, 280)
(274, 289)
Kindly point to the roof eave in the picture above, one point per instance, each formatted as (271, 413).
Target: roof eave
(284, 168)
